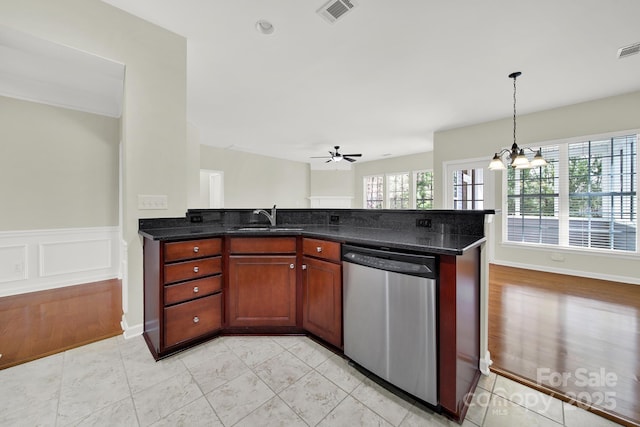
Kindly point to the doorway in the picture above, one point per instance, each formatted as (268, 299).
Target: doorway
(211, 189)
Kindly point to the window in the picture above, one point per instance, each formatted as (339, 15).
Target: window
(424, 189)
(533, 201)
(398, 191)
(468, 189)
(585, 197)
(374, 192)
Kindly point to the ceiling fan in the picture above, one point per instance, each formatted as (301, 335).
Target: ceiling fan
(336, 156)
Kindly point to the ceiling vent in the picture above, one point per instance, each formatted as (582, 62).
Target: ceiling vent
(625, 51)
(336, 9)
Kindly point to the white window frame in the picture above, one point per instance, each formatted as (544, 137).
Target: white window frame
(414, 183)
(364, 190)
(450, 166)
(563, 145)
(387, 193)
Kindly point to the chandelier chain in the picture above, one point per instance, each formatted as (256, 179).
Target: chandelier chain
(514, 109)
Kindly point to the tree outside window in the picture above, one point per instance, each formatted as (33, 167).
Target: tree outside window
(398, 191)
(424, 190)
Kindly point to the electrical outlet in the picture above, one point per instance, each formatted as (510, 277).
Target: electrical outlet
(423, 222)
(195, 218)
(334, 219)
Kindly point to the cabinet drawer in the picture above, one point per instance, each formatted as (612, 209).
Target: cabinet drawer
(192, 289)
(321, 249)
(192, 269)
(192, 319)
(262, 245)
(192, 249)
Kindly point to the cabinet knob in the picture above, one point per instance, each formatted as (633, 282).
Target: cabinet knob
(196, 269)
(196, 249)
(196, 319)
(196, 290)
(292, 266)
(304, 266)
(319, 249)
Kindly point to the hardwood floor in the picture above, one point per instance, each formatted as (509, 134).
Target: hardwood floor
(575, 337)
(38, 324)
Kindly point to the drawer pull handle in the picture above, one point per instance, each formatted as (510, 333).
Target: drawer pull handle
(304, 266)
(319, 249)
(196, 249)
(291, 266)
(196, 269)
(196, 319)
(195, 290)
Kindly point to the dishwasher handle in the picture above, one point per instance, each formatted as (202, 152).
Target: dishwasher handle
(414, 265)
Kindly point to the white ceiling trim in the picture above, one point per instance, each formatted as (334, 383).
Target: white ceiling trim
(42, 71)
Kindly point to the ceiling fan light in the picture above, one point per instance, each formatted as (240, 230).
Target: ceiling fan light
(496, 163)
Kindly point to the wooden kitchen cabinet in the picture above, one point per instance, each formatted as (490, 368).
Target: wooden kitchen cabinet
(322, 290)
(182, 293)
(262, 282)
(459, 330)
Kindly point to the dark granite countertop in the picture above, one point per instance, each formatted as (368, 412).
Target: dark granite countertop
(413, 239)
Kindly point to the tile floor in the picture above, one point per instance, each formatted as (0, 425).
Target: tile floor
(241, 381)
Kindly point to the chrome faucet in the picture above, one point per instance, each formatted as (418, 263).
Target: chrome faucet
(271, 216)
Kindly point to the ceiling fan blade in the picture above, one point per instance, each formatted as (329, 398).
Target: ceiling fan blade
(348, 159)
(329, 161)
(352, 155)
(321, 157)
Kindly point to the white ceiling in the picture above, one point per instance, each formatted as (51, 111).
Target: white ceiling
(386, 76)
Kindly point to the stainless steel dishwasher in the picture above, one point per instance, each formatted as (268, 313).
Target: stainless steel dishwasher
(389, 303)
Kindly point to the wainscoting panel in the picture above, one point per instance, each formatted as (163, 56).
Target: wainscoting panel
(37, 260)
(13, 263)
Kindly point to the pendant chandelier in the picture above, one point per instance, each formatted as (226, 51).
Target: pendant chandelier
(516, 155)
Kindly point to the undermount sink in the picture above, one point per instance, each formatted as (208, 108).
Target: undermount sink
(268, 229)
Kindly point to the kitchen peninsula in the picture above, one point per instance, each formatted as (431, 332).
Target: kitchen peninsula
(231, 271)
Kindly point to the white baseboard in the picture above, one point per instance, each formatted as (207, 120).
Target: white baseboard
(130, 331)
(36, 260)
(485, 363)
(569, 272)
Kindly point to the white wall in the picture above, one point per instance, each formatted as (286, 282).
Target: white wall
(254, 181)
(413, 162)
(153, 131)
(58, 168)
(332, 183)
(611, 114)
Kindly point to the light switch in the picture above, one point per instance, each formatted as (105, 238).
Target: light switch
(146, 202)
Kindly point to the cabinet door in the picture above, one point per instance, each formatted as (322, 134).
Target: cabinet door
(322, 299)
(192, 319)
(262, 291)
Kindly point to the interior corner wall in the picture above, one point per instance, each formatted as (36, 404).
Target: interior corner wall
(154, 155)
(255, 181)
(612, 114)
(58, 168)
(409, 163)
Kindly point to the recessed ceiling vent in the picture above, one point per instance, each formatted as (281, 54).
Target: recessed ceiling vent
(336, 9)
(625, 51)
